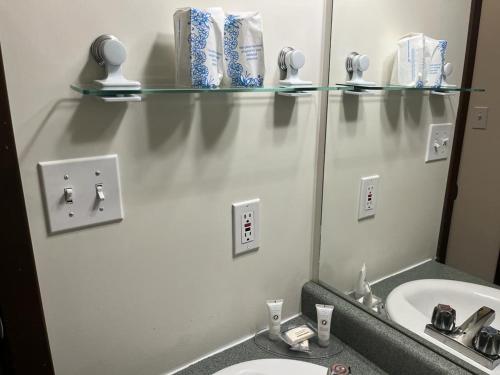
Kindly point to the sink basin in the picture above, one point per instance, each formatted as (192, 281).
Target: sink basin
(411, 305)
(274, 367)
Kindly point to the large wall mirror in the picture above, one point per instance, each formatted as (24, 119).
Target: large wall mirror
(376, 148)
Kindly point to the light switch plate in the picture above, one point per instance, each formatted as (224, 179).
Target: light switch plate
(480, 117)
(439, 142)
(246, 226)
(368, 197)
(83, 176)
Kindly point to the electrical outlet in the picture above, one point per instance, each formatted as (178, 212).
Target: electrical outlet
(439, 142)
(245, 226)
(480, 117)
(368, 197)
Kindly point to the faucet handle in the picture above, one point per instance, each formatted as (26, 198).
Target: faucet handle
(487, 341)
(443, 318)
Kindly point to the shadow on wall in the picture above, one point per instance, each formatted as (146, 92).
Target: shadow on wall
(413, 104)
(167, 116)
(95, 120)
(350, 107)
(216, 111)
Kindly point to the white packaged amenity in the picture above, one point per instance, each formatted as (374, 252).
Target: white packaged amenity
(435, 55)
(199, 46)
(297, 335)
(324, 314)
(274, 309)
(421, 60)
(244, 49)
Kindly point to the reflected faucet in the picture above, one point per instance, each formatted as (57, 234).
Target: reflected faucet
(473, 338)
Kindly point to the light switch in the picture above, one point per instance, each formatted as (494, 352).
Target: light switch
(439, 142)
(81, 192)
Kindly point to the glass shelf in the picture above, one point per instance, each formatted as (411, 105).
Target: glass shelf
(166, 89)
(91, 90)
(449, 89)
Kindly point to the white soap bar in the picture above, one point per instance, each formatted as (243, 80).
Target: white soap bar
(299, 334)
(244, 49)
(199, 47)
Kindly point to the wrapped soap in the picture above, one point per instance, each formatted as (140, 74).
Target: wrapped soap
(244, 49)
(411, 60)
(199, 47)
(421, 60)
(434, 59)
(297, 335)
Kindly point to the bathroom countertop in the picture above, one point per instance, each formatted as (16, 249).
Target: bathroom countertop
(248, 351)
(428, 270)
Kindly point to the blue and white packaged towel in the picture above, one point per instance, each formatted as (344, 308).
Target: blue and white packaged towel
(421, 60)
(244, 49)
(199, 47)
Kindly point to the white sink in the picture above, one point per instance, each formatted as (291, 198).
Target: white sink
(411, 306)
(274, 367)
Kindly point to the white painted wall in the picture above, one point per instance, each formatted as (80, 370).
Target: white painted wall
(474, 241)
(161, 288)
(385, 134)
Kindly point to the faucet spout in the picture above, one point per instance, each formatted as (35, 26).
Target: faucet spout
(466, 332)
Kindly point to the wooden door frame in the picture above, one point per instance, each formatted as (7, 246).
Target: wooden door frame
(460, 126)
(26, 341)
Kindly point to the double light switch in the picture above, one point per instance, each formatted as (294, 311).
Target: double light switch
(81, 192)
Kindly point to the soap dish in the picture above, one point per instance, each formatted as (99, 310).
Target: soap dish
(279, 347)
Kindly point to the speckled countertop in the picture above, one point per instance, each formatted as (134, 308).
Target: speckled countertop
(384, 344)
(248, 351)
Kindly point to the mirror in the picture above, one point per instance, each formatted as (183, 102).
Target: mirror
(382, 197)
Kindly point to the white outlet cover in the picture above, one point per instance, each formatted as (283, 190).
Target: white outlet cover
(246, 213)
(480, 117)
(439, 142)
(368, 197)
(81, 175)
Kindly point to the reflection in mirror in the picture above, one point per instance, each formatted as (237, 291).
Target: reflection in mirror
(386, 240)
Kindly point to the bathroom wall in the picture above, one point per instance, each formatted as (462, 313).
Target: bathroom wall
(161, 288)
(474, 241)
(385, 134)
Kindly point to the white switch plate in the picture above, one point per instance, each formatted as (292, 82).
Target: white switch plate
(246, 230)
(82, 176)
(439, 142)
(480, 117)
(368, 197)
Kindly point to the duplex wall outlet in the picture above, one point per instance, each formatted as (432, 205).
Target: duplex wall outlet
(368, 197)
(245, 226)
(81, 192)
(439, 142)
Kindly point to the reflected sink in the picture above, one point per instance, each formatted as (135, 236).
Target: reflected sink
(274, 367)
(411, 305)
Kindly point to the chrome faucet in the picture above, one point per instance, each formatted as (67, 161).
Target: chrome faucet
(473, 338)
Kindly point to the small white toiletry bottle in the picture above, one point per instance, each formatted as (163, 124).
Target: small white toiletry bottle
(274, 308)
(324, 323)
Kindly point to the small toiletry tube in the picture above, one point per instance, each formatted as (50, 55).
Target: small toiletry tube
(324, 322)
(274, 308)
